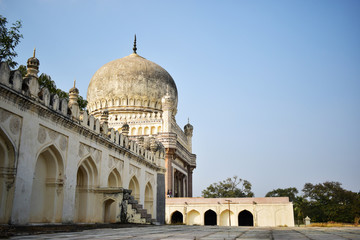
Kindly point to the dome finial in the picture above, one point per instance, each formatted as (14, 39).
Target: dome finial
(188, 120)
(74, 82)
(34, 52)
(134, 48)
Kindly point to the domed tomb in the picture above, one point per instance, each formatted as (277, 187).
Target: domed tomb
(131, 84)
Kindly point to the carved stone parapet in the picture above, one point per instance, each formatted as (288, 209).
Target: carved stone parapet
(168, 139)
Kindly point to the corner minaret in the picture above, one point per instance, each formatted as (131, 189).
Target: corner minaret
(167, 107)
(33, 66)
(188, 129)
(32, 75)
(73, 101)
(125, 129)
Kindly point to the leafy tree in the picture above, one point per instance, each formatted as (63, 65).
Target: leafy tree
(23, 70)
(46, 81)
(328, 201)
(231, 187)
(9, 39)
(284, 192)
(82, 102)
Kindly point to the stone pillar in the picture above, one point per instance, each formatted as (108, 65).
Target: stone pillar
(32, 76)
(160, 198)
(190, 172)
(167, 107)
(104, 118)
(188, 129)
(73, 104)
(169, 171)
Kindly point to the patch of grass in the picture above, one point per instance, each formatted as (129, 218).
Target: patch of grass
(332, 224)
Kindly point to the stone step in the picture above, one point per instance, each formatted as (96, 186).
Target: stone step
(132, 201)
(143, 212)
(154, 222)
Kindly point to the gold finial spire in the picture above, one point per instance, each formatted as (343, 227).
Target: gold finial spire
(34, 52)
(74, 82)
(134, 48)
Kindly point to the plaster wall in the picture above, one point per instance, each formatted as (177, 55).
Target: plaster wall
(266, 212)
(32, 128)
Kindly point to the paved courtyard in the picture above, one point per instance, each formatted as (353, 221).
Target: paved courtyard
(205, 232)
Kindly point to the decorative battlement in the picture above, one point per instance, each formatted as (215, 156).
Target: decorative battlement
(12, 83)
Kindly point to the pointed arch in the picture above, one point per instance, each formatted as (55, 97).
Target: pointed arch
(149, 198)
(224, 218)
(210, 217)
(193, 218)
(109, 211)
(86, 180)
(177, 218)
(245, 218)
(159, 129)
(114, 179)
(135, 188)
(7, 173)
(47, 188)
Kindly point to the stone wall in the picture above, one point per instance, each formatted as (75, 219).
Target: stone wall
(59, 166)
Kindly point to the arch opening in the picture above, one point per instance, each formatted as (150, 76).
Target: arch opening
(245, 218)
(86, 179)
(149, 199)
(225, 220)
(210, 218)
(7, 171)
(114, 179)
(193, 218)
(109, 213)
(177, 218)
(135, 188)
(46, 193)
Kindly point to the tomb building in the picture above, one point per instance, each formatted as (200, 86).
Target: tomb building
(139, 98)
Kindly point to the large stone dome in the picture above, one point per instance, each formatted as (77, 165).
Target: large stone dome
(130, 84)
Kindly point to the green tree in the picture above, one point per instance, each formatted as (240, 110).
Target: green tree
(284, 192)
(328, 201)
(9, 39)
(23, 70)
(231, 187)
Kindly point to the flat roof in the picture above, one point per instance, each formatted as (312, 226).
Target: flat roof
(199, 200)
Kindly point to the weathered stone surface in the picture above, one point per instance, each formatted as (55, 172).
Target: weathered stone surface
(131, 81)
(160, 198)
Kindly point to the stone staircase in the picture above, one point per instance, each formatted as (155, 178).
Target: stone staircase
(137, 213)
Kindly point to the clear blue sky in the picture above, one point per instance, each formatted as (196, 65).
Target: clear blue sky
(272, 88)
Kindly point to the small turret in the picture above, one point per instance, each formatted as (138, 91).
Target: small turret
(73, 104)
(188, 129)
(31, 78)
(167, 107)
(33, 66)
(104, 118)
(125, 129)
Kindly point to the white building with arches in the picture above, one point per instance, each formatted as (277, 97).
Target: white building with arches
(259, 212)
(61, 165)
